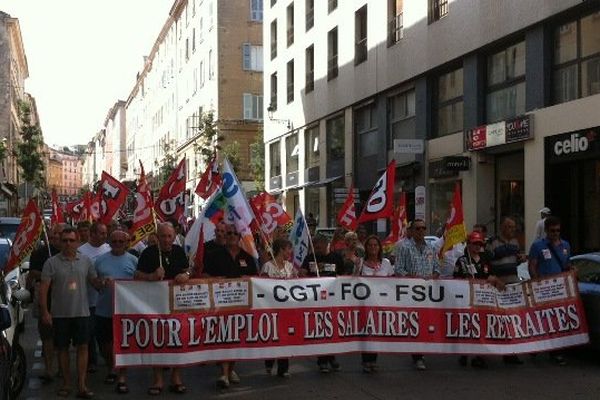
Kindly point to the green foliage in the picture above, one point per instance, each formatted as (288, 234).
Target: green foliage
(257, 161)
(167, 164)
(29, 149)
(209, 138)
(232, 152)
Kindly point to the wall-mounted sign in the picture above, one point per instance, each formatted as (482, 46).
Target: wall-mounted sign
(457, 163)
(437, 170)
(573, 146)
(509, 131)
(409, 146)
(420, 202)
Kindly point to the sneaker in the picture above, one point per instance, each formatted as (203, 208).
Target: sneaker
(420, 365)
(223, 382)
(323, 368)
(559, 360)
(335, 366)
(285, 374)
(233, 377)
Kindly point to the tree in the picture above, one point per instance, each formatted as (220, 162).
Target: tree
(257, 161)
(232, 152)
(209, 138)
(29, 149)
(167, 164)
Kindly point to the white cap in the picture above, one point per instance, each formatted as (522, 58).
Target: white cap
(545, 210)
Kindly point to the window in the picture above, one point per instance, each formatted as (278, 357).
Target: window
(290, 81)
(331, 5)
(290, 24)
(292, 151)
(273, 104)
(577, 59)
(252, 57)
(200, 30)
(211, 66)
(449, 103)
(210, 15)
(273, 2)
(253, 107)
(256, 10)
(311, 141)
(201, 73)
(332, 54)
(273, 39)
(438, 9)
(335, 138)
(365, 128)
(193, 40)
(275, 159)
(395, 22)
(360, 33)
(310, 14)
(401, 115)
(187, 49)
(506, 83)
(310, 69)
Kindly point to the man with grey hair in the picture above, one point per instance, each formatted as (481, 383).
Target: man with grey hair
(157, 262)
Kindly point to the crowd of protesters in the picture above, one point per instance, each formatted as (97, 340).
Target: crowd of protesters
(72, 278)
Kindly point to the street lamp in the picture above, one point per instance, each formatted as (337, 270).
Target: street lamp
(270, 110)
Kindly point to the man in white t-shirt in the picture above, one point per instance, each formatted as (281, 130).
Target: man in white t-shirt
(94, 248)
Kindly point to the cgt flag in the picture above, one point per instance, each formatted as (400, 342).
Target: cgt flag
(57, 213)
(26, 236)
(347, 215)
(170, 203)
(300, 239)
(381, 199)
(270, 214)
(110, 197)
(210, 180)
(143, 219)
(454, 232)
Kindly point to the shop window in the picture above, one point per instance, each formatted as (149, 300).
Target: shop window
(309, 85)
(577, 59)
(506, 83)
(332, 54)
(365, 129)
(401, 116)
(449, 103)
(292, 152)
(311, 142)
(275, 159)
(360, 29)
(335, 138)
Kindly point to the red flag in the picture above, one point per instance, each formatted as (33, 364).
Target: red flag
(269, 212)
(454, 231)
(347, 215)
(210, 180)
(26, 235)
(57, 214)
(399, 222)
(381, 199)
(171, 199)
(111, 196)
(79, 210)
(143, 220)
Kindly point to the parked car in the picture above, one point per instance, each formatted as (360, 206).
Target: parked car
(588, 274)
(14, 296)
(8, 227)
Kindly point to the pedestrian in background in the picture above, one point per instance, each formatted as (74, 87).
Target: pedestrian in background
(540, 229)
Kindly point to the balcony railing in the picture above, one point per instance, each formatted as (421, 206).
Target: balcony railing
(395, 29)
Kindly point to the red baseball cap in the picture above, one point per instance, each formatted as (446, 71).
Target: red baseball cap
(476, 237)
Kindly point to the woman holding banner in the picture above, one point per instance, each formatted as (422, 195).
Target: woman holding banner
(373, 264)
(280, 267)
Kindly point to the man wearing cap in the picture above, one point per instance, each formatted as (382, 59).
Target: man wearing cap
(540, 233)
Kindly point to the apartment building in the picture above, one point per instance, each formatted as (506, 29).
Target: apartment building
(65, 173)
(499, 96)
(207, 58)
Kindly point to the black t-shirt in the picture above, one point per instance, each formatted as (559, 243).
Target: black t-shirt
(174, 262)
(39, 256)
(220, 263)
(331, 258)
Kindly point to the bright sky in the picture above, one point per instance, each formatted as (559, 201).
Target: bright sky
(83, 56)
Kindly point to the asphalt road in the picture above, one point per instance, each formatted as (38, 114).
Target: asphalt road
(538, 378)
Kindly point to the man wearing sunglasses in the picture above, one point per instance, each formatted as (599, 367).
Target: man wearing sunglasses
(550, 256)
(417, 258)
(69, 272)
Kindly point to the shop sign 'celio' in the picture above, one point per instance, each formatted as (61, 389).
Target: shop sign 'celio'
(571, 146)
(574, 144)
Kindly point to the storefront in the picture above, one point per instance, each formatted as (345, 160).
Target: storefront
(443, 175)
(572, 186)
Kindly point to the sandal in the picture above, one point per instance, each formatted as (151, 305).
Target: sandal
(122, 388)
(110, 379)
(178, 388)
(63, 392)
(155, 390)
(85, 394)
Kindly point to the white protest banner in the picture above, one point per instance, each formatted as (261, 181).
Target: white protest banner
(160, 323)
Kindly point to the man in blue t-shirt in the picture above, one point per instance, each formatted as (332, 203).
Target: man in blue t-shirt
(116, 264)
(550, 256)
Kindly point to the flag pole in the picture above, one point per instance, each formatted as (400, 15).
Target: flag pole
(46, 238)
(160, 264)
(311, 245)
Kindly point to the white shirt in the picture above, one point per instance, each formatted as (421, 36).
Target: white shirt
(273, 271)
(93, 253)
(385, 269)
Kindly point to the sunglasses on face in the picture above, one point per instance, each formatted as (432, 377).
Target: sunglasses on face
(68, 240)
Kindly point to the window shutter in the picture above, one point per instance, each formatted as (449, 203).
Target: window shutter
(247, 56)
(247, 106)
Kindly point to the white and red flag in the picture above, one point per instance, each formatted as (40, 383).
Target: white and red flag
(347, 216)
(110, 197)
(269, 213)
(381, 200)
(57, 216)
(143, 219)
(454, 231)
(209, 181)
(300, 238)
(170, 204)
(26, 236)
